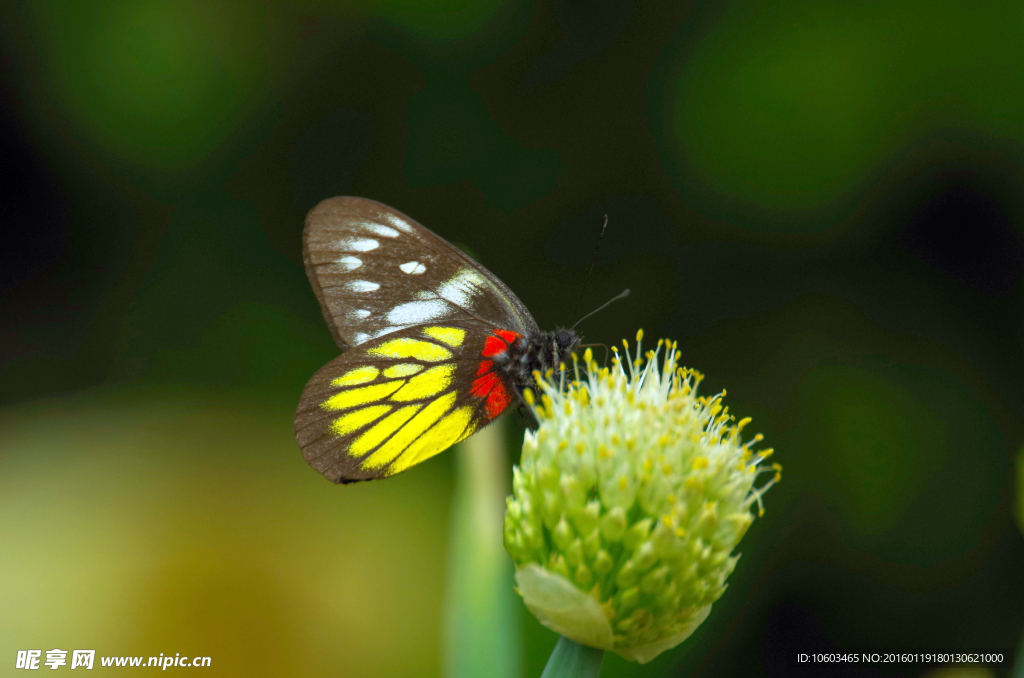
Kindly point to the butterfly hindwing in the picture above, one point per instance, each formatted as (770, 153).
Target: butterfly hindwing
(397, 400)
(376, 271)
(436, 346)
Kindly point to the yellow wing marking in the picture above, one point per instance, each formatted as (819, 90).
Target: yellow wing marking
(359, 375)
(431, 382)
(379, 432)
(439, 438)
(408, 433)
(404, 347)
(452, 336)
(353, 421)
(402, 370)
(361, 396)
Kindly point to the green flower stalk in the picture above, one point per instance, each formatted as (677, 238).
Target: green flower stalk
(628, 502)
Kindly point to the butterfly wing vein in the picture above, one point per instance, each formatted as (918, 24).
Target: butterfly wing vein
(395, 401)
(377, 271)
(414, 316)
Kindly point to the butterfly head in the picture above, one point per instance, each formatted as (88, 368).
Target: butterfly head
(566, 342)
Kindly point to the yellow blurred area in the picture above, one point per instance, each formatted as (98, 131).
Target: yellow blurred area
(143, 521)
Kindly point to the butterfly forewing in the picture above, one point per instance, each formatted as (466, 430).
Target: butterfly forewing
(435, 345)
(376, 271)
(399, 399)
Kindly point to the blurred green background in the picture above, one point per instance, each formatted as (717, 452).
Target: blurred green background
(822, 201)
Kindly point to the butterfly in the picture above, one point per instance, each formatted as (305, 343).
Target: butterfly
(434, 345)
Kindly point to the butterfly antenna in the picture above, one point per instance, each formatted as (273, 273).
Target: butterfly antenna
(621, 295)
(593, 260)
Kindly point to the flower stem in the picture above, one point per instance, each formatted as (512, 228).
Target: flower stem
(482, 621)
(569, 659)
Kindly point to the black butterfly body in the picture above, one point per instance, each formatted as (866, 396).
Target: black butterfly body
(435, 346)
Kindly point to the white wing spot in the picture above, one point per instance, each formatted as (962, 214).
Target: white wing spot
(350, 263)
(363, 337)
(356, 244)
(398, 223)
(364, 245)
(381, 332)
(362, 286)
(383, 231)
(412, 267)
(415, 312)
(361, 313)
(462, 287)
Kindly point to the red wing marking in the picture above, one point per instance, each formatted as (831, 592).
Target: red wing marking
(487, 383)
(498, 399)
(493, 346)
(483, 385)
(491, 387)
(508, 335)
(498, 343)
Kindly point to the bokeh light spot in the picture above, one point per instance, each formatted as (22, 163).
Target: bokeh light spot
(159, 84)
